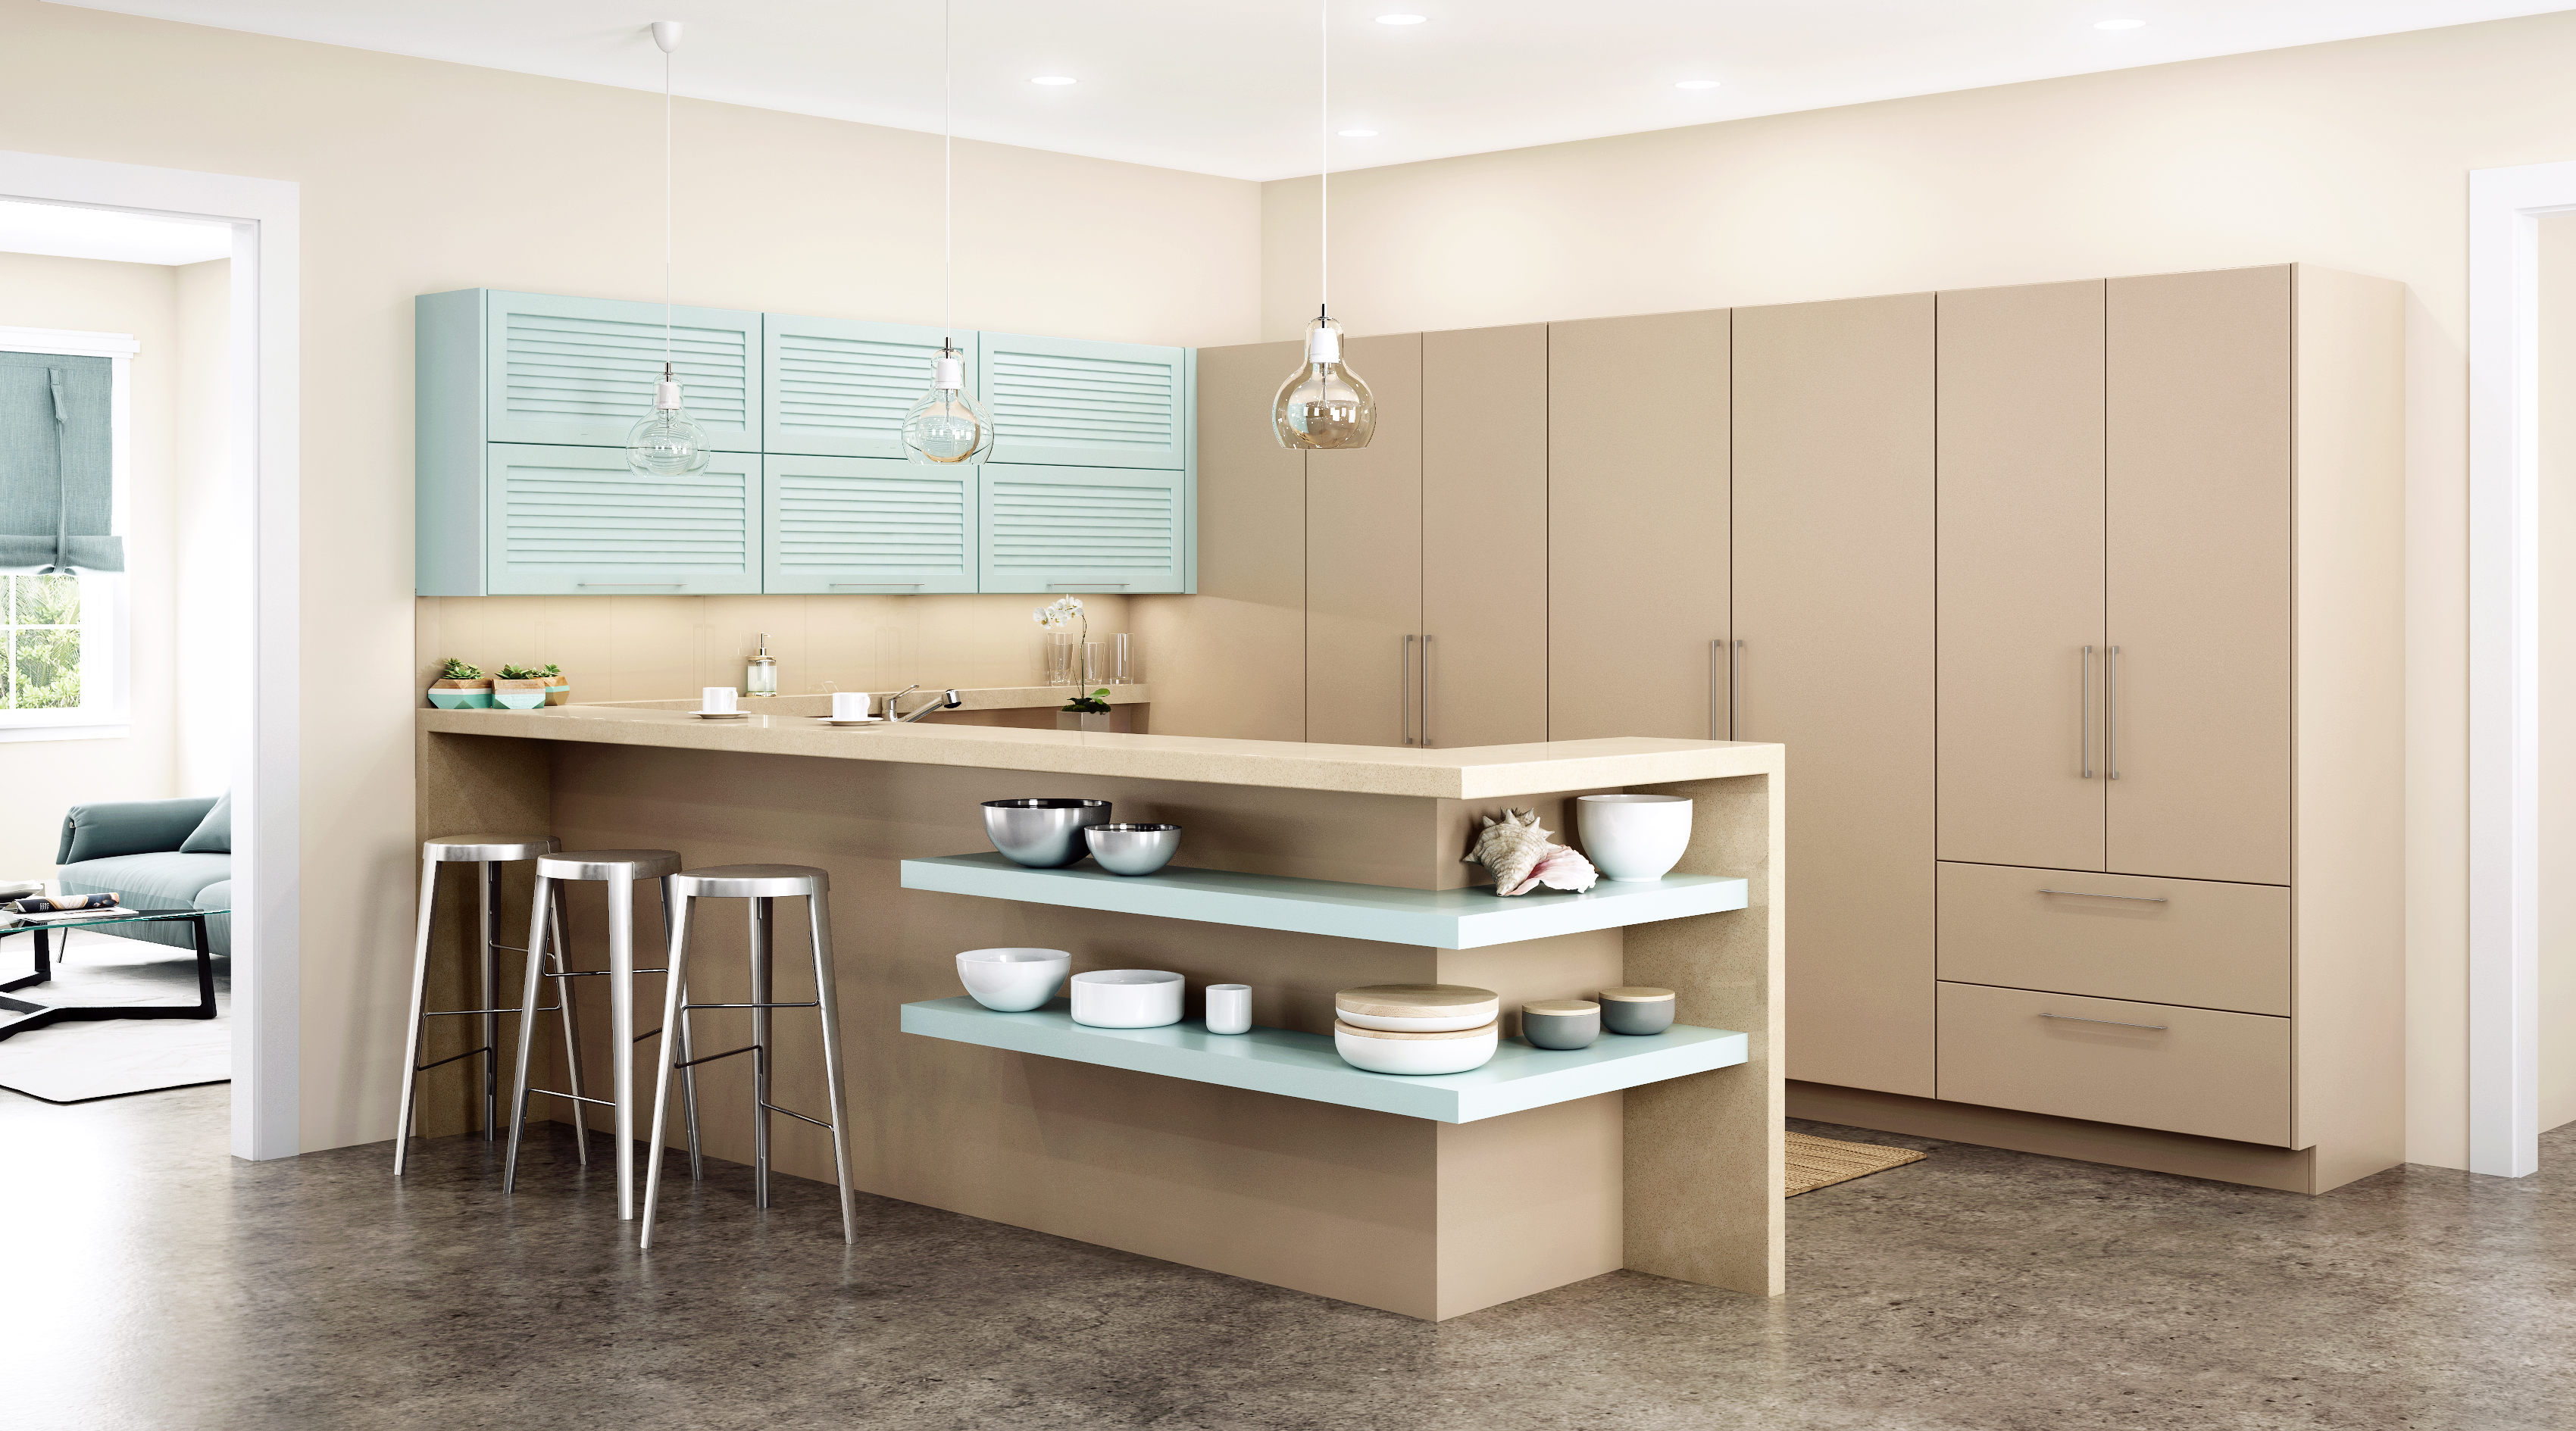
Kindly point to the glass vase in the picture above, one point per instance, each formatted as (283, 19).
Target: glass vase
(1095, 664)
(1057, 657)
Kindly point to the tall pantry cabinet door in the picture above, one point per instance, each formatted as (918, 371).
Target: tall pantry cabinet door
(1235, 653)
(1364, 563)
(1637, 527)
(1833, 602)
(2198, 734)
(2020, 563)
(1484, 535)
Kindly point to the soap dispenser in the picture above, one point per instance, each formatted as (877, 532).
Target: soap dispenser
(761, 677)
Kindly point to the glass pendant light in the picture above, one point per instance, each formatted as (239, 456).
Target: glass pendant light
(946, 426)
(665, 443)
(1324, 405)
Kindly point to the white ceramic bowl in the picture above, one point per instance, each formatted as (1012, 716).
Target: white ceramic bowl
(1126, 998)
(1013, 981)
(1417, 1054)
(1633, 837)
(1469, 1016)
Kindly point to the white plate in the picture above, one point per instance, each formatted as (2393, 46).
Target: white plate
(863, 720)
(722, 715)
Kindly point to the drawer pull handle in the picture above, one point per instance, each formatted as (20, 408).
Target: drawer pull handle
(2088, 894)
(2076, 1019)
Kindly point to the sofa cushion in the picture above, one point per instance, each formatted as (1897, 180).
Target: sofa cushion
(214, 834)
(165, 880)
(106, 828)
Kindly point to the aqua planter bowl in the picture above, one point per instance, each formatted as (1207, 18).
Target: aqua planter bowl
(455, 698)
(518, 695)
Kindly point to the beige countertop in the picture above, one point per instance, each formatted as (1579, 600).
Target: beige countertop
(986, 698)
(1470, 773)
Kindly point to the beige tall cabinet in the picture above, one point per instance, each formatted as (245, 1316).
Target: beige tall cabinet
(1833, 533)
(1484, 537)
(1363, 524)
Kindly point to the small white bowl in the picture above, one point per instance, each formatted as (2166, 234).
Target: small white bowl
(1126, 998)
(1417, 1008)
(1415, 1054)
(1013, 981)
(1633, 839)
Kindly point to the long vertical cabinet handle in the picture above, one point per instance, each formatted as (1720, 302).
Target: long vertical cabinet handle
(1735, 695)
(2084, 721)
(2110, 713)
(1426, 690)
(1404, 688)
(1716, 663)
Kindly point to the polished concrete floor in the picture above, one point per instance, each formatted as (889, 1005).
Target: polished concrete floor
(148, 1281)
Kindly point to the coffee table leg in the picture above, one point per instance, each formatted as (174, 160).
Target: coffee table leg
(44, 955)
(205, 968)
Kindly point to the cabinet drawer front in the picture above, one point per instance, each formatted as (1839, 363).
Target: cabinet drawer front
(2166, 941)
(580, 371)
(2218, 1075)
(1078, 529)
(1073, 402)
(841, 526)
(577, 520)
(833, 387)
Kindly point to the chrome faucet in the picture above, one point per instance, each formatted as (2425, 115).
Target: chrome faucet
(947, 702)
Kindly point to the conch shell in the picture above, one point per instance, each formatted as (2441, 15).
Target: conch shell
(1522, 859)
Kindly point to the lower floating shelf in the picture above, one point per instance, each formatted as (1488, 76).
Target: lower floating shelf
(1304, 1065)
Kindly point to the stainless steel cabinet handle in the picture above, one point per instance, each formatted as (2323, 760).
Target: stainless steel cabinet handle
(644, 585)
(2110, 715)
(1735, 696)
(906, 585)
(1426, 690)
(2115, 1023)
(1404, 688)
(2088, 894)
(1716, 659)
(2084, 722)
(1086, 586)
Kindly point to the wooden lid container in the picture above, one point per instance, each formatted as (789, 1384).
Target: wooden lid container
(1355, 1031)
(1560, 1006)
(1637, 996)
(1412, 1001)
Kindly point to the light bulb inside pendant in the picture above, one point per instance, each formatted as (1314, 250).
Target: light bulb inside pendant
(1324, 405)
(945, 426)
(666, 443)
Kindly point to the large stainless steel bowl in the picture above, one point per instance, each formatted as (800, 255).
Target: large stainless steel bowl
(1133, 849)
(1042, 834)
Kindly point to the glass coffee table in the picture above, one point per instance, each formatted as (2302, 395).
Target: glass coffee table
(19, 1015)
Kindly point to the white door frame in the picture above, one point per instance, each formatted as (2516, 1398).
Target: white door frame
(266, 1007)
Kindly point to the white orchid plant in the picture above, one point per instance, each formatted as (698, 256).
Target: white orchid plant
(1062, 612)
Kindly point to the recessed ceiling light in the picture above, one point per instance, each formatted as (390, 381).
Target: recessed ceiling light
(1696, 84)
(2119, 24)
(1402, 19)
(1359, 134)
(1052, 79)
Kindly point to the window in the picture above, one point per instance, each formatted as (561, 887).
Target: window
(63, 504)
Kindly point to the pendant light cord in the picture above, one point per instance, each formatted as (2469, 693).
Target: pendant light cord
(1323, 157)
(947, 183)
(666, 215)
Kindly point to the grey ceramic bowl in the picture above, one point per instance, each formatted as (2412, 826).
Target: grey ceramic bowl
(1636, 1011)
(1133, 849)
(1042, 834)
(1561, 1023)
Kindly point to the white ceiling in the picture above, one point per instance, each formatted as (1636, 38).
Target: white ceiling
(1229, 86)
(66, 232)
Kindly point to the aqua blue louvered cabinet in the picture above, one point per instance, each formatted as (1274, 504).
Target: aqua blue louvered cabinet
(578, 520)
(836, 387)
(1075, 402)
(842, 526)
(1081, 529)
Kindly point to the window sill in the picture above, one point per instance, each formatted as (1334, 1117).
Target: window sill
(101, 731)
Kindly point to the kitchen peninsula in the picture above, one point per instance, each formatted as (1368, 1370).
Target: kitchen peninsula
(1429, 1197)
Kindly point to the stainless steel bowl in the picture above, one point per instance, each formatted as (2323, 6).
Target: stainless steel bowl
(1042, 834)
(1133, 849)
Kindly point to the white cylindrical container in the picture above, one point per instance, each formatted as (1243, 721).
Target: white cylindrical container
(1417, 1008)
(1415, 1054)
(1127, 998)
(1229, 1008)
(718, 700)
(1633, 837)
(1012, 981)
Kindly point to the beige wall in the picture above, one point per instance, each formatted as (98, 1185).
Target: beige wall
(44, 777)
(417, 177)
(2350, 155)
(206, 552)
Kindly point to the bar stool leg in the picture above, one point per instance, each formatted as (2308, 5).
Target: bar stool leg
(409, 1113)
(818, 910)
(763, 926)
(621, 1022)
(688, 1069)
(571, 1027)
(674, 996)
(490, 933)
(540, 902)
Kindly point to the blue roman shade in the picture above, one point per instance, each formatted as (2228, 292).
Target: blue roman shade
(56, 478)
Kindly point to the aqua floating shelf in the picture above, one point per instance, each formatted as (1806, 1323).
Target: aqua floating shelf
(1304, 1065)
(1437, 918)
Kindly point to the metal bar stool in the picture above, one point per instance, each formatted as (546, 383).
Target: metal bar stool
(762, 885)
(491, 852)
(619, 870)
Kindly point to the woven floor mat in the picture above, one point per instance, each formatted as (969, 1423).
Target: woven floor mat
(1815, 1162)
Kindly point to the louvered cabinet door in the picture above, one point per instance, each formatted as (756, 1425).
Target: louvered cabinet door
(848, 526)
(1076, 529)
(1069, 402)
(834, 387)
(580, 371)
(577, 520)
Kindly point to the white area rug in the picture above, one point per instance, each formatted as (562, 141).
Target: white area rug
(82, 1059)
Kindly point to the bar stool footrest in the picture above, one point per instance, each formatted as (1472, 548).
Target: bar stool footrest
(792, 1113)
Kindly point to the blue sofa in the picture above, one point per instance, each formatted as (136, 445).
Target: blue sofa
(159, 854)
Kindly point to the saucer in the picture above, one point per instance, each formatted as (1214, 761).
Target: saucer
(863, 720)
(722, 715)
